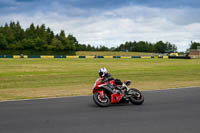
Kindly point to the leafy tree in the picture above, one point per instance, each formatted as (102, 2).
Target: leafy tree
(3, 42)
(38, 44)
(17, 30)
(103, 48)
(194, 45)
(9, 34)
(28, 44)
(151, 48)
(71, 42)
(56, 45)
(160, 47)
(42, 33)
(50, 36)
(31, 32)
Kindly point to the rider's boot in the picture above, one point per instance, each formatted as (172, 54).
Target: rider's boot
(118, 92)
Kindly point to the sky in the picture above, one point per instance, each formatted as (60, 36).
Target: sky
(111, 22)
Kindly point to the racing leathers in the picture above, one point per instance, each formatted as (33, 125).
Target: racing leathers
(108, 77)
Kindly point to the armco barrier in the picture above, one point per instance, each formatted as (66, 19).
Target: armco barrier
(99, 56)
(108, 57)
(46, 57)
(136, 57)
(179, 57)
(116, 56)
(126, 57)
(33, 56)
(25, 56)
(72, 57)
(165, 57)
(16, 56)
(155, 57)
(59, 56)
(146, 57)
(82, 57)
(6, 56)
(89, 57)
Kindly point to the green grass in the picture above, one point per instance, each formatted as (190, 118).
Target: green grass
(37, 78)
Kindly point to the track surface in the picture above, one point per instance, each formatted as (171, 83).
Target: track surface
(166, 111)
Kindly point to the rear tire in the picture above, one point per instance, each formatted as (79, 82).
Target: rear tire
(137, 100)
(101, 102)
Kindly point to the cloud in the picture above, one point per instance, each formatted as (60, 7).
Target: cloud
(110, 26)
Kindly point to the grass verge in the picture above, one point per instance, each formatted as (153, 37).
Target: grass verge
(40, 78)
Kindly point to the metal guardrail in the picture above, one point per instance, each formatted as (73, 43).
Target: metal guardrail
(72, 57)
(99, 57)
(179, 57)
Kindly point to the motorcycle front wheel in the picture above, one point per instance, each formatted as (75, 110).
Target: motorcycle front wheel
(137, 98)
(101, 102)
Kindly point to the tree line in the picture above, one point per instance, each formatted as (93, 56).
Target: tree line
(142, 46)
(195, 45)
(42, 40)
(35, 38)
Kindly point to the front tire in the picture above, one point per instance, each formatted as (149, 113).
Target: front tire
(101, 102)
(136, 99)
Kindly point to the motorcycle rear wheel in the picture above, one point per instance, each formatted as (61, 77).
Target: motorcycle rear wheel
(137, 100)
(101, 102)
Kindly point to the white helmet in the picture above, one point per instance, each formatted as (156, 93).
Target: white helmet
(102, 72)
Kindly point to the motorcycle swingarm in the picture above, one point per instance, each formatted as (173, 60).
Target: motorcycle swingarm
(130, 93)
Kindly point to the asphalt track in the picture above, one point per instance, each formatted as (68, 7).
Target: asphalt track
(165, 111)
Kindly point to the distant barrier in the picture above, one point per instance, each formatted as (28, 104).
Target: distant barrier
(179, 57)
(6, 56)
(89, 57)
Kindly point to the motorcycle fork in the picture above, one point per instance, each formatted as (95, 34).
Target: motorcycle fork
(101, 94)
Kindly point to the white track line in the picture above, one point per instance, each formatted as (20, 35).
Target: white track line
(90, 95)
(43, 98)
(174, 88)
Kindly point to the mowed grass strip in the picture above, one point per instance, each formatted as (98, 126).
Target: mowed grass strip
(39, 78)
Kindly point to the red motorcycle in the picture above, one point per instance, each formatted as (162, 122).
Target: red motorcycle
(110, 92)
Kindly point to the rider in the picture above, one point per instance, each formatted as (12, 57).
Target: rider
(103, 73)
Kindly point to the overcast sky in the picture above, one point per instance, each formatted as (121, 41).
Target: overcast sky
(111, 22)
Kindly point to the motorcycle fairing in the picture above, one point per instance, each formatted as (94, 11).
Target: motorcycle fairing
(115, 98)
